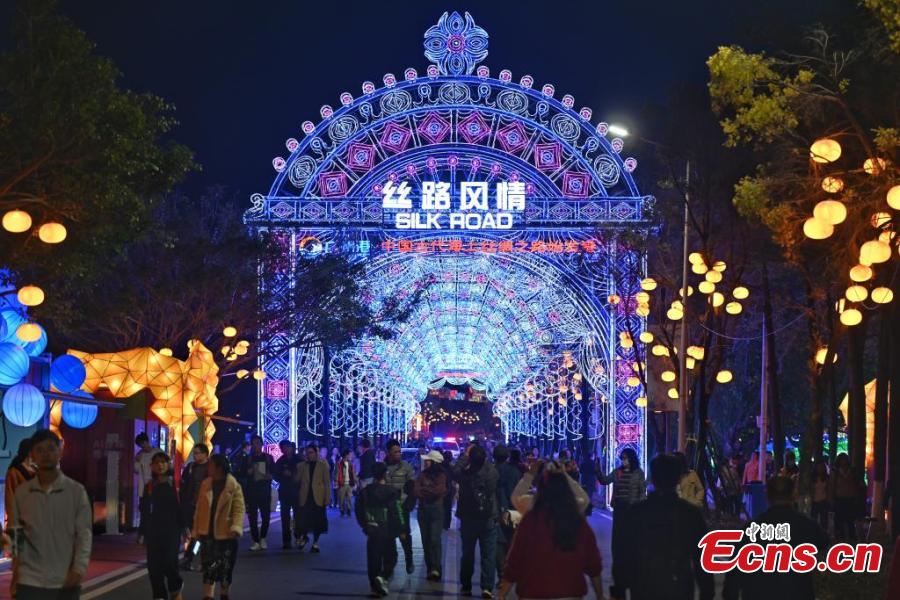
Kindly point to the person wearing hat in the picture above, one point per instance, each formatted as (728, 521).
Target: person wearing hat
(431, 487)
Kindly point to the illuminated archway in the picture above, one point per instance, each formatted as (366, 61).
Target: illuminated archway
(516, 288)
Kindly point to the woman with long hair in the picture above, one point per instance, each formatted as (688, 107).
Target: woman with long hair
(554, 547)
(218, 524)
(629, 488)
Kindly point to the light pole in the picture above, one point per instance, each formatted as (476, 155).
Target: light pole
(682, 343)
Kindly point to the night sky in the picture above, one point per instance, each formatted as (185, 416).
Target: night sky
(244, 75)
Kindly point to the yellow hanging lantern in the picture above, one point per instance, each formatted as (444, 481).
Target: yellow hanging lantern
(707, 287)
(28, 332)
(633, 381)
(672, 393)
(740, 292)
(52, 233)
(724, 376)
(717, 299)
(882, 295)
(259, 374)
(646, 337)
(825, 150)
(165, 351)
(674, 314)
(874, 252)
(31, 295)
(817, 229)
(229, 332)
(667, 376)
(830, 211)
(696, 352)
(695, 258)
(648, 284)
(713, 276)
(733, 308)
(660, 350)
(893, 197)
(821, 353)
(880, 219)
(874, 166)
(699, 269)
(677, 305)
(719, 266)
(690, 362)
(690, 291)
(832, 185)
(642, 297)
(17, 221)
(861, 273)
(640, 402)
(851, 317)
(856, 293)
(642, 310)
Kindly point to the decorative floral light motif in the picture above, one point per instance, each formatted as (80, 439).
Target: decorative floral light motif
(456, 44)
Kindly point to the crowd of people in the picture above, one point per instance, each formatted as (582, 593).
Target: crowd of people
(526, 516)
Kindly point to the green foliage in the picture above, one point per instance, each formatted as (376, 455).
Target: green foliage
(757, 99)
(76, 148)
(751, 197)
(888, 13)
(887, 139)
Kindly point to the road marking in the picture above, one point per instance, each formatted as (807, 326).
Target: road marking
(140, 572)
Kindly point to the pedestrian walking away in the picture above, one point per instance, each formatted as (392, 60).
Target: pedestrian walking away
(508, 477)
(477, 512)
(143, 471)
(51, 528)
(401, 476)
(218, 524)
(366, 462)
(192, 477)
(260, 473)
(430, 489)
(165, 527)
(380, 514)
(315, 495)
(285, 473)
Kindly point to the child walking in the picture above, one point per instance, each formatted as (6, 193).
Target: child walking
(164, 524)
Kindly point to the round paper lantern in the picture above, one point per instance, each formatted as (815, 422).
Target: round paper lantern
(740, 292)
(874, 252)
(893, 197)
(714, 276)
(861, 273)
(856, 293)
(642, 297)
(707, 287)
(34, 347)
(733, 308)
(24, 405)
(13, 319)
(640, 402)
(14, 363)
(874, 167)
(880, 219)
(817, 229)
(646, 337)
(52, 233)
(659, 350)
(690, 291)
(672, 393)
(719, 266)
(695, 258)
(832, 185)
(717, 299)
(648, 284)
(674, 314)
(29, 332)
(31, 295)
(642, 310)
(851, 317)
(699, 268)
(667, 376)
(67, 373)
(882, 295)
(17, 221)
(724, 376)
(830, 211)
(229, 332)
(78, 415)
(825, 150)
(259, 375)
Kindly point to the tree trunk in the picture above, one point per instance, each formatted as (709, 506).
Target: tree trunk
(894, 415)
(812, 437)
(777, 422)
(883, 378)
(856, 403)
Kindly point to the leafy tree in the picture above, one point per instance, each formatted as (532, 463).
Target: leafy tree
(78, 149)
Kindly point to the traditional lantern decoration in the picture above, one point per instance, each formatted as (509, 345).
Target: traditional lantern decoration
(229, 332)
(874, 252)
(713, 276)
(667, 376)
(733, 308)
(817, 229)
(646, 337)
(882, 295)
(893, 197)
(719, 266)
(717, 299)
(30, 295)
(640, 402)
(832, 185)
(648, 284)
(674, 314)
(16, 221)
(861, 273)
(740, 292)
(633, 381)
(242, 373)
(880, 219)
(851, 317)
(724, 376)
(707, 287)
(259, 374)
(165, 351)
(67, 373)
(831, 211)
(78, 415)
(874, 166)
(659, 350)
(825, 150)
(690, 291)
(672, 393)
(52, 233)
(690, 362)
(856, 293)
(14, 363)
(695, 258)
(29, 332)
(699, 269)
(821, 353)
(24, 404)
(697, 352)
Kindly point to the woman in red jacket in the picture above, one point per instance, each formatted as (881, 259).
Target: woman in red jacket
(553, 548)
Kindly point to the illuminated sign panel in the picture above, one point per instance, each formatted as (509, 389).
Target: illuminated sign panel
(468, 207)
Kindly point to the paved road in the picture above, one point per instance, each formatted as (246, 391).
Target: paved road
(338, 572)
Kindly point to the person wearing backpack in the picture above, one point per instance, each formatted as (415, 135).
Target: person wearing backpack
(381, 516)
(477, 513)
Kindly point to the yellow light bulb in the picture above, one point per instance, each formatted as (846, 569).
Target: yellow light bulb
(707, 287)
(695, 258)
(717, 299)
(893, 197)
(672, 393)
(713, 276)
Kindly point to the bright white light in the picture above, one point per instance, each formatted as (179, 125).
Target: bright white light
(618, 130)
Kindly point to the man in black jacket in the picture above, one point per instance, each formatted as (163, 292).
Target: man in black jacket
(165, 523)
(379, 513)
(477, 512)
(288, 490)
(660, 554)
(366, 463)
(779, 586)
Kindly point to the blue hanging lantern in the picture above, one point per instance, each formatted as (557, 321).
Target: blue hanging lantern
(13, 363)
(3, 329)
(78, 415)
(24, 404)
(67, 373)
(37, 347)
(13, 319)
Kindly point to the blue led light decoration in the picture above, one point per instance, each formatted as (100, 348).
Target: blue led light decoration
(516, 280)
